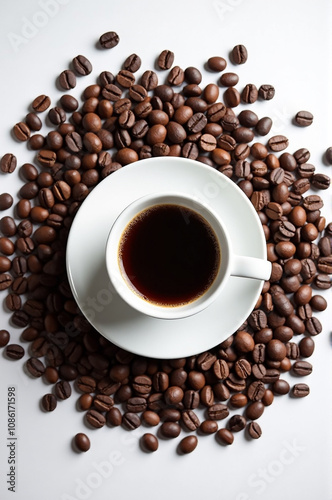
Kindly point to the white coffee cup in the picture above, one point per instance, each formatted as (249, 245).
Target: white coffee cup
(230, 264)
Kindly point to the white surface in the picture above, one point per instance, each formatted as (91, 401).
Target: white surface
(112, 316)
(289, 46)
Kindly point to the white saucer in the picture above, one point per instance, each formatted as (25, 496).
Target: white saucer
(88, 277)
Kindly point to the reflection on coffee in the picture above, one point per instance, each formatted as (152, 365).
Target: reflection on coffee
(169, 255)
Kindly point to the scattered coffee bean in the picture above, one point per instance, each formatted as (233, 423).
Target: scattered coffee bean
(300, 390)
(8, 162)
(149, 442)
(239, 54)
(4, 338)
(6, 201)
(82, 442)
(109, 40)
(304, 118)
(14, 351)
(67, 79)
(254, 430)
(188, 444)
(165, 59)
(225, 436)
(49, 402)
(82, 65)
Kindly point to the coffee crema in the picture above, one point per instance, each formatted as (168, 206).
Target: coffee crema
(169, 255)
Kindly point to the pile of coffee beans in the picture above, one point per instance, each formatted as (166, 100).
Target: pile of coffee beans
(124, 118)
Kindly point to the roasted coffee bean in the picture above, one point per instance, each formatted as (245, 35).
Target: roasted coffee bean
(109, 40)
(249, 94)
(256, 390)
(35, 367)
(6, 201)
(217, 411)
(190, 420)
(236, 423)
(21, 131)
(82, 442)
(225, 436)
(278, 143)
(254, 430)
(216, 63)
(208, 427)
(149, 442)
(67, 79)
(304, 118)
(188, 444)
(165, 59)
(302, 368)
(136, 404)
(280, 387)
(49, 402)
(62, 389)
(8, 164)
(131, 420)
(170, 429)
(14, 351)
(300, 390)
(150, 418)
(239, 54)
(4, 338)
(95, 419)
(320, 181)
(263, 126)
(266, 92)
(41, 103)
(229, 79)
(114, 417)
(82, 65)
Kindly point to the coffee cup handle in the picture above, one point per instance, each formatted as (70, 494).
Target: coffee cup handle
(250, 267)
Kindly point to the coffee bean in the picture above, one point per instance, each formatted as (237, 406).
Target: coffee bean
(266, 92)
(21, 131)
(278, 143)
(41, 103)
(131, 420)
(109, 40)
(62, 389)
(165, 59)
(4, 338)
(149, 442)
(67, 79)
(188, 444)
(49, 402)
(208, 427)
(82, 442)
(170, 429)
(249, 94)
(225, 436)
(8, 164)
(254, 430)
(236, 423)
(190, 420)
(217, 412)
(14, 351)
(300, 390)
(132, 63)
(302, 368)
(304, 118)
(35, 367)
(82, 65)
(229, 79)
(216, 63)
(6, 201)
(239, 54)
(95, 419)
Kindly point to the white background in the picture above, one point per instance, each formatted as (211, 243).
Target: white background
(289, 47)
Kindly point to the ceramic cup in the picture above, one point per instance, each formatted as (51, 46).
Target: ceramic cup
(230, 263)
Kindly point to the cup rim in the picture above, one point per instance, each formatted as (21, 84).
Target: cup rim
(123, 288)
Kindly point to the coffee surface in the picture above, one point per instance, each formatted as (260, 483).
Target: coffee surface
(169, 254)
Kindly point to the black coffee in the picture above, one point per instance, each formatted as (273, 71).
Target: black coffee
(170, 254)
